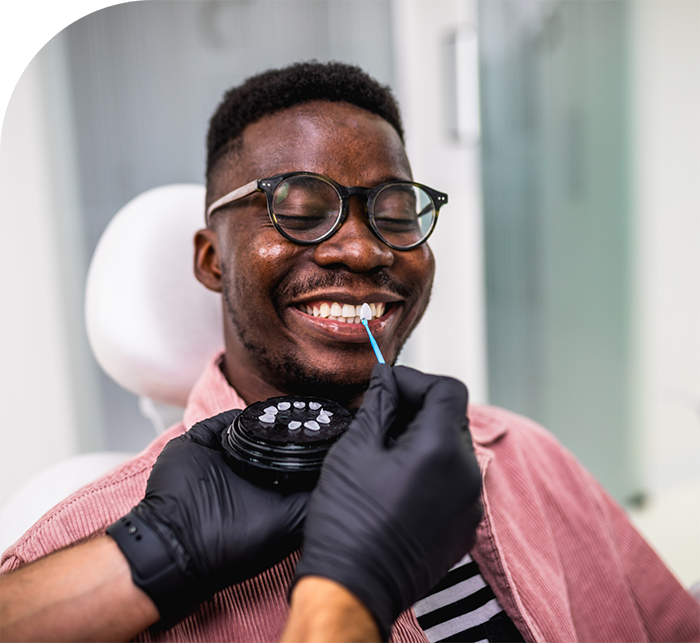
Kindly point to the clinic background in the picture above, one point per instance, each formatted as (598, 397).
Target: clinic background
(566, 133)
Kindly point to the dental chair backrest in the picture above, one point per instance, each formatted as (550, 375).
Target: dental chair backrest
(151, 325)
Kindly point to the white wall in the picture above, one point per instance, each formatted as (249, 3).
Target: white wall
(666, 135)
(667, 181)
(49, 406)
(451, 338)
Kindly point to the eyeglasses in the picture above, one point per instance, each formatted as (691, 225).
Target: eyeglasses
(309, 208)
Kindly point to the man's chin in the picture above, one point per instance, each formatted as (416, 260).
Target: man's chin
(299, 379)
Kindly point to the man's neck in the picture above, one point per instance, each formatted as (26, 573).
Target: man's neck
(253, 387)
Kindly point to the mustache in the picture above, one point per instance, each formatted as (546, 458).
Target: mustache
(344, 279)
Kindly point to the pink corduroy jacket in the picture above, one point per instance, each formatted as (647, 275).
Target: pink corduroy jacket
(560, 555)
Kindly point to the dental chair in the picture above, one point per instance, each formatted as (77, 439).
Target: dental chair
(151, 326)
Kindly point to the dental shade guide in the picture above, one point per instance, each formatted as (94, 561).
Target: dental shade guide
(365, 314)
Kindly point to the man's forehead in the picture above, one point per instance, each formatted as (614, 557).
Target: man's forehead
(320, 136)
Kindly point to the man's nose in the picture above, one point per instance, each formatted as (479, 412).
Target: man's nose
(354, 246)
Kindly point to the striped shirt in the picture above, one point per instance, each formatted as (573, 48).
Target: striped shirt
(462, 607)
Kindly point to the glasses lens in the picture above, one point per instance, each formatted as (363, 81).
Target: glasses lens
(403, 214)
(306, 207)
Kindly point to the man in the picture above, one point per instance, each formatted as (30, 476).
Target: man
(293, 243)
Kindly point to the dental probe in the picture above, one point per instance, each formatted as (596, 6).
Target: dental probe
(365, 314)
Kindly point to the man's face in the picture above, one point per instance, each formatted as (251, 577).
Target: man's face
(273, 343)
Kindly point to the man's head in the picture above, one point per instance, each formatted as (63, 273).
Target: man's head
(278, 89)
(335, 121)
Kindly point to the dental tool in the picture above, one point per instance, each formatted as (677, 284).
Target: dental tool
(365, 314)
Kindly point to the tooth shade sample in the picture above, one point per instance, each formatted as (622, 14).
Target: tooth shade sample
(365, 312)
(323, 419)
(312, 426)
(299, 405)
(283, 406)
(271, 410)
(267, 418)
(294, 425)
(314, 406)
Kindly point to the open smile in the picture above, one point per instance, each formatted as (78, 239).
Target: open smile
(338, 320)
(336, 311)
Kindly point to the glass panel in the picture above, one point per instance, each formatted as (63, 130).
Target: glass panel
(556, 215)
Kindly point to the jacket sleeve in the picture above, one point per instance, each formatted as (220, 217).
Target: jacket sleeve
(669, 612)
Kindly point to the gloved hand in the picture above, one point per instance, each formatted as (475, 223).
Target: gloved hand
(398, 500)
(201, 527)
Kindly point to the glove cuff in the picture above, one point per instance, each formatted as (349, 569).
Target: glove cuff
(153, 568)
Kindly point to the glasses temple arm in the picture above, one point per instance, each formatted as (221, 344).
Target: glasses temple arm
(238, 193)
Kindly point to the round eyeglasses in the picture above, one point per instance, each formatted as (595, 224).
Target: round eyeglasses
(309, 208)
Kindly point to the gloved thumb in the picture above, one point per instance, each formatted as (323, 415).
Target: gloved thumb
(208, 432)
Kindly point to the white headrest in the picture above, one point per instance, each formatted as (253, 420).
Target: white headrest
(151, 325)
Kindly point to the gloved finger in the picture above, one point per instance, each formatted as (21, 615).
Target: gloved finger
(414, 385)
(441, 405)
(208, 432)
(378, 409)
(296, 505)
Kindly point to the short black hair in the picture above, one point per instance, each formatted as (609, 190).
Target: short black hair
(277, 89)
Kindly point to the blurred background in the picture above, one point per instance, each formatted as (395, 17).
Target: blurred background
(567, 135)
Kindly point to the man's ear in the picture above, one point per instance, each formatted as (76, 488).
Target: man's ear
(207, 265)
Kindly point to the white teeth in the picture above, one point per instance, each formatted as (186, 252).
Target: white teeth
(342, 312)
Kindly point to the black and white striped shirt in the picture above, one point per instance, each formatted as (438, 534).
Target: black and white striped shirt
(462, 607)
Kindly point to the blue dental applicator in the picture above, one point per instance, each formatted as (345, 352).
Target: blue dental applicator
(365, 314)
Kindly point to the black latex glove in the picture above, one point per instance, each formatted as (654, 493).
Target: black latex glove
(389, 517)
(201, 527)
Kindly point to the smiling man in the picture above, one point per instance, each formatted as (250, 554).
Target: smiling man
(312, 211)
(292, 302)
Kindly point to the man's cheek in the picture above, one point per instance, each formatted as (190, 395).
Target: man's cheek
(270, 252)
